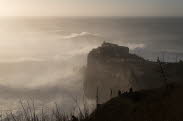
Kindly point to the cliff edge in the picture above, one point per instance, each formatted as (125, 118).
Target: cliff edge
(159, 104)
(111, 67)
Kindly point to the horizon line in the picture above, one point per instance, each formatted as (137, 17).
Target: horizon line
(92, 16)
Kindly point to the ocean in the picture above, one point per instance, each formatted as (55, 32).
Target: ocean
(42, 58)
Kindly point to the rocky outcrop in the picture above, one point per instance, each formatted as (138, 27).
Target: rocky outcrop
(111, 68)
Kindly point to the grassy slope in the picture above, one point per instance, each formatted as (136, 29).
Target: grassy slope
(147, 105)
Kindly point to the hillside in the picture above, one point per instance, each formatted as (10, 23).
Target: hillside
(162, 104)
(111, 67)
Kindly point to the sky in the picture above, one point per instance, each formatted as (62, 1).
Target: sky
(91, 7)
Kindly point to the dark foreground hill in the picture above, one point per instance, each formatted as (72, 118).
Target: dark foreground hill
(162, 104)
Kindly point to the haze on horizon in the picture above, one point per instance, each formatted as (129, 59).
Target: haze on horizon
(91, 8)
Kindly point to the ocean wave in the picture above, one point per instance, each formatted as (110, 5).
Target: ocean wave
(133, 46)
(22, 59)
(75, 35)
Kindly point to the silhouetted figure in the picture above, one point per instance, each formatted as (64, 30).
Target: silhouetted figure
(158, 60)
(74, 118)
(162, 72)
(131, 90)
(180, 61)
(110, 93)
(119, 92)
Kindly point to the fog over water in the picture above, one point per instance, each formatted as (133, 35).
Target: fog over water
(44, 58)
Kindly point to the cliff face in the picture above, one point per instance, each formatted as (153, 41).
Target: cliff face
(111, 68)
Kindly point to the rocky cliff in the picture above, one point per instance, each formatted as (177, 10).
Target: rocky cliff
(111, 67)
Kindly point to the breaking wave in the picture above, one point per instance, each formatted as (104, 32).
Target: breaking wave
(74, 35)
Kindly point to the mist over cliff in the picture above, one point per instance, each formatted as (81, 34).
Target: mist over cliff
(44, 57)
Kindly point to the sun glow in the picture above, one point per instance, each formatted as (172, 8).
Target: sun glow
(90, 8)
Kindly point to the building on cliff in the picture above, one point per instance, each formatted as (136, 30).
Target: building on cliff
(110, 49)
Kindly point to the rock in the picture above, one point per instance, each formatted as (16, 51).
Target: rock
(112, 67)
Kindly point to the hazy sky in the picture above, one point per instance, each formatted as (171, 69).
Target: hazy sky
(91, 7)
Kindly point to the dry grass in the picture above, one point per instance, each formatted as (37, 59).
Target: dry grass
(29, 112)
